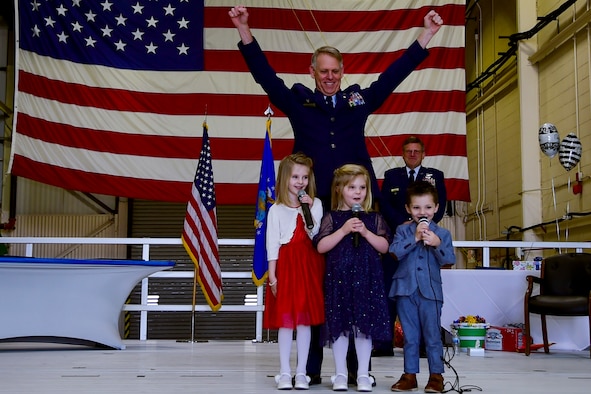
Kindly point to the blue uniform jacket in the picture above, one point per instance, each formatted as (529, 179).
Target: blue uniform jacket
(420, 265)
(330, 136)
(393, 196)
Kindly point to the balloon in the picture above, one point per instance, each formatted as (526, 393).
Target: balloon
(570, 151)
(549, 139)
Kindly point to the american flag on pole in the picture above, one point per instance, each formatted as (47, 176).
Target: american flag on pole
(200, 234)
(108, 91)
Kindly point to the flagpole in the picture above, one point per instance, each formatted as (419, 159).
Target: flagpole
(193, 303)
(200, 233)
(195, 273)
(265, 196)
(269, 112)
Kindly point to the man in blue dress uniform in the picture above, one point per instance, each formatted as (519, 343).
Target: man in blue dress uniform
(329, 123)
(396, 180)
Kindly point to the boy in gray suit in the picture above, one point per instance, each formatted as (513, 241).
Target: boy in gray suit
(422, 248)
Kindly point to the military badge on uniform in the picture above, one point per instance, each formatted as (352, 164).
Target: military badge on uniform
(355, 99)
(429, 178)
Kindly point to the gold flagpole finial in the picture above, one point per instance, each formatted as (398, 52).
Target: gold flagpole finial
(269, 112)
(205, 117)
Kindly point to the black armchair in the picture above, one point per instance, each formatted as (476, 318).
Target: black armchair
(565, 290)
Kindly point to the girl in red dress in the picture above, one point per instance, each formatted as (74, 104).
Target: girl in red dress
(294, 299)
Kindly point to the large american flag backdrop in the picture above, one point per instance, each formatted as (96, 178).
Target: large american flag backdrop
(111, 94)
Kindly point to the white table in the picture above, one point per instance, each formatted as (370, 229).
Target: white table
(498, 296)
(62, 300)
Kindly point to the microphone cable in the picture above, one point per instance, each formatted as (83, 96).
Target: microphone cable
(455, 385)
(448, 356)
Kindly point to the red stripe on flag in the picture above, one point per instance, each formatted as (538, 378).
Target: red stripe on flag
(101, 183)
(217, 104)
(145, 145)
(357, 63)
(226, 193)
(457, 189)
(424, 101)
(336, 21)
(228, 148)
(109, 141)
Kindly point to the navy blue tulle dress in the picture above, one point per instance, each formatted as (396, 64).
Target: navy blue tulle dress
(354, 294)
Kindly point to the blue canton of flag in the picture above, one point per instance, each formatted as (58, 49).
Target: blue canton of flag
(139, 35)
(265, 198)
(204, 174)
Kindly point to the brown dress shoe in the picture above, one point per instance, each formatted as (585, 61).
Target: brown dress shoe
(435, 384)
(407, 382)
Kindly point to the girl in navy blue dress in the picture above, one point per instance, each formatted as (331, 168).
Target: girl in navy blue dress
(353, 238)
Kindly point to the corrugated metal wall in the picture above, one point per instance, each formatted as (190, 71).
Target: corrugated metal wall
(159, 219)
(35, 198)
(99, 226)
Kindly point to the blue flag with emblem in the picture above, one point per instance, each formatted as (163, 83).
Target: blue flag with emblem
(265, 198)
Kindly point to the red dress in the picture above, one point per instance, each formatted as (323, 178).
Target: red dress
(300, 278)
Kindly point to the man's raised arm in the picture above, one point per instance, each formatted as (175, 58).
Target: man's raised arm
(239, 17)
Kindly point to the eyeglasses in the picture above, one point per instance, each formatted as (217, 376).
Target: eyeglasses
(412, 152)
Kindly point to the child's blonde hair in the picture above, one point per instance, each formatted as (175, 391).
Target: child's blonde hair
(284, 174)
(342, 177)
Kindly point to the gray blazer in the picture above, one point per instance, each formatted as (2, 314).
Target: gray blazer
(419, 265)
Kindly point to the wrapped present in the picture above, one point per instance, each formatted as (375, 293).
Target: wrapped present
(506, 338)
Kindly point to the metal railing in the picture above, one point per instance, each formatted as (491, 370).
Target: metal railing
(145, 306)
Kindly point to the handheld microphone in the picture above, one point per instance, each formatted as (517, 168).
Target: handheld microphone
(306, 210)
(424, 220)
(356, 208)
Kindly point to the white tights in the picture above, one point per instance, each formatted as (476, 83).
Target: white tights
(303, 337)
(362, 346)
